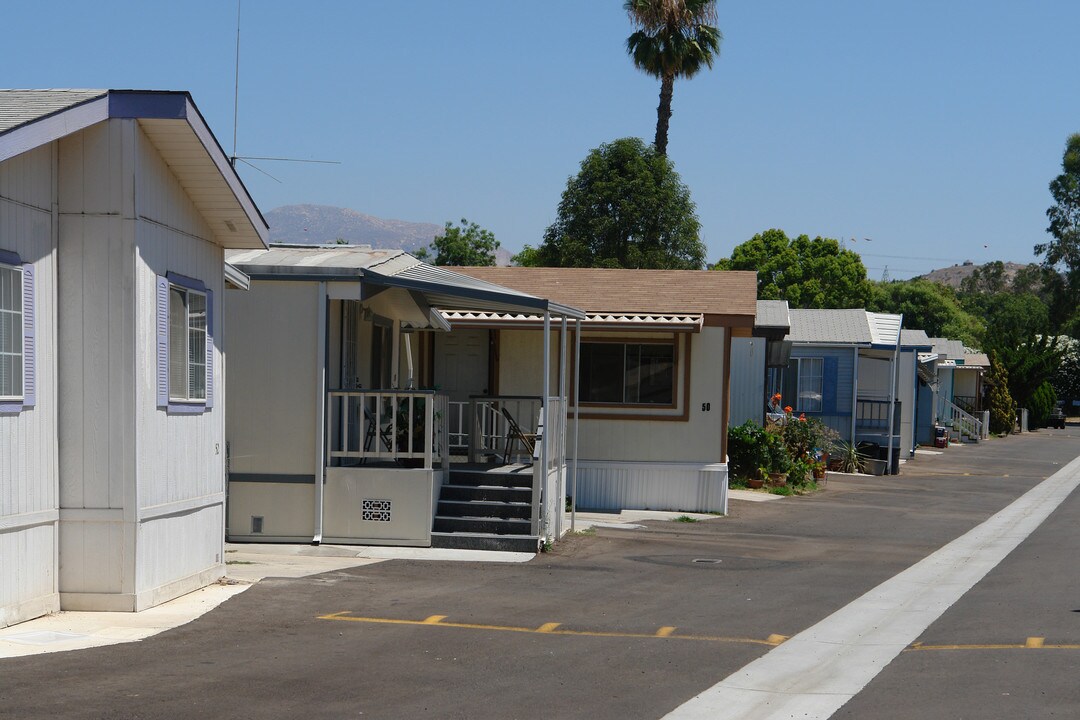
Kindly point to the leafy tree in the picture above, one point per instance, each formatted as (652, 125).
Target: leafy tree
(1066, 380)
(1063, 250)
(807, 273)
(626, 208)
(931, 306)
(674, 38)
(990, 278)
(1017, 327)
(468, 244)
(1002, 406)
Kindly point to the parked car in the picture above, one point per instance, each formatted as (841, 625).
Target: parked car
(1057, 417)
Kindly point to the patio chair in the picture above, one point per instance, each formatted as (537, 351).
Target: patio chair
(386, 432)
(514, 435)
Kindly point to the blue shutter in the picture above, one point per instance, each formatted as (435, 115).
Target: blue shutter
(162, 324)
(29, 338)
(828, 386)
(209, 349)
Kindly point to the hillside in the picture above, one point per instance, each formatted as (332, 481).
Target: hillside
(316, 224)
(954, 275)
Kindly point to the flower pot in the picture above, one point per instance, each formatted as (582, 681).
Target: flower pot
(819, 473)
(755, 483)
(776, 479)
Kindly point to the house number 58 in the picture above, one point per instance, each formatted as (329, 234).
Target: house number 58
(706, 407)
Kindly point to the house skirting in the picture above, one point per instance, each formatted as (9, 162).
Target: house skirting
(686, 487)
(136, 602)
(29, 609)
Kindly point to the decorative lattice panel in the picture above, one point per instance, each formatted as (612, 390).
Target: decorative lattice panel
(376, 510)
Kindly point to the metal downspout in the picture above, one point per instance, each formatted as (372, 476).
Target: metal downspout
(560, 491)
(545, 497)
(855, 395)
(892, 395)
(321, 410)
(577, 383)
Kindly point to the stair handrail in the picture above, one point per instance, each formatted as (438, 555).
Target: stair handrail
(968, 423)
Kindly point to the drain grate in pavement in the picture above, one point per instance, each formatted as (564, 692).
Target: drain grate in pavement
(708, 561)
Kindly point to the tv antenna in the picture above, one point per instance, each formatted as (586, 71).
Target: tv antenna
(246, 159)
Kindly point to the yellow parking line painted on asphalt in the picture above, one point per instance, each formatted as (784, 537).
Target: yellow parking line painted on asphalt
(775, 639)
(665, 631)
(1032, 643)
(555, 629)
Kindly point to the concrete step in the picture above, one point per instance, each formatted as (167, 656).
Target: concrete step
(483, 525)
(485, 541)
(490, 494)
(477, 478)
(485, 508)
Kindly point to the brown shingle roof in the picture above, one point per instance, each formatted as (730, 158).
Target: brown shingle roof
(708, 292)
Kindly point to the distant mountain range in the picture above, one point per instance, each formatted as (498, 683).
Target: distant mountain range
(320, 224)
(954, 275)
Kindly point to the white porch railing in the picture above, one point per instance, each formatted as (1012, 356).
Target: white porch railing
(962, 422)
(386, 425)
(489, 427)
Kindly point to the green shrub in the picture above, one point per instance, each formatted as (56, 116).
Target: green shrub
(1042, 403)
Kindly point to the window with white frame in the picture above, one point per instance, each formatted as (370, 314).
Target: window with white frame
(11, 331)
(627, 373)
(187, 344)
(810, 375)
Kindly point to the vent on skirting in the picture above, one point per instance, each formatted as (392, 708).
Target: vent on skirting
(256, 524)
(376, 510)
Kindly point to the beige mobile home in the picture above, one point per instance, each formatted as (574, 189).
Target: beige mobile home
(337, 431)
(115, 210)
(650, 366)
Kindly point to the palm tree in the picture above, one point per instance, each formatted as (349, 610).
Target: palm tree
(674, 38)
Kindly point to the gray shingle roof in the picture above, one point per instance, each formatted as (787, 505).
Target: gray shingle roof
(830, 326)
(914, 338)
(19, 107)
(772, 314)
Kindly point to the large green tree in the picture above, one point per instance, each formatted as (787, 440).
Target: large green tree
(674, 39)
(927, 305)
(626, 208)
(467, 244)
(807, 273)
(1063, 249)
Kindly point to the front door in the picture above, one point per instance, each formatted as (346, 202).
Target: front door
(461, 370)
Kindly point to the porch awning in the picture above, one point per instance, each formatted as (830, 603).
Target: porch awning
(592, 321)
(447, 289)
(376, 269)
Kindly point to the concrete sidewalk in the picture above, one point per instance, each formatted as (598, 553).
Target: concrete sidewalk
(245, 564)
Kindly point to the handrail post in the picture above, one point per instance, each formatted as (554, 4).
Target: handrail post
(429, 430)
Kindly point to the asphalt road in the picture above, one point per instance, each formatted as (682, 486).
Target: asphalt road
(623, 624)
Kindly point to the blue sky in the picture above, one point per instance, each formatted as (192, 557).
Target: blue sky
(932, 128)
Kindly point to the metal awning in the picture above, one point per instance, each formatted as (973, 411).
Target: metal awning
(592, 321)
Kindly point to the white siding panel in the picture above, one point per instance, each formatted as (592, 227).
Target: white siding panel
(652, 486)
(271, 405)
(179, 458)
(28, 463)
(160, 561)
(747, 380)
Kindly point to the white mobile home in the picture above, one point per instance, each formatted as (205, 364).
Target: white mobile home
(115, 210)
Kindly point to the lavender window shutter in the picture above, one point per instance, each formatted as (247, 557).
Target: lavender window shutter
(209, 349)
(162, 325)
(29, 339)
